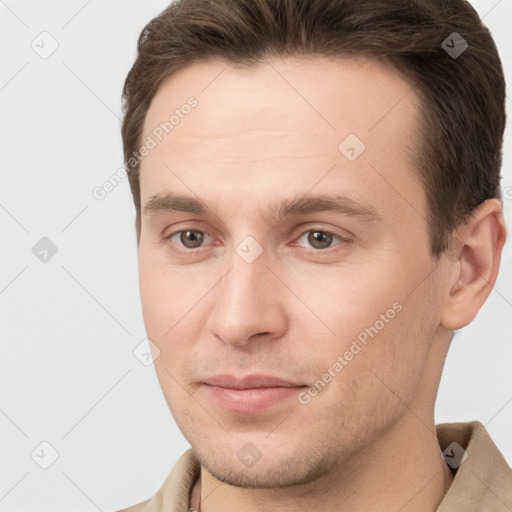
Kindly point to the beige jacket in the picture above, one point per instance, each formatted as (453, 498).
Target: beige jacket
(482, 483)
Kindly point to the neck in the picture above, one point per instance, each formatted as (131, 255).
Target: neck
(403, 470)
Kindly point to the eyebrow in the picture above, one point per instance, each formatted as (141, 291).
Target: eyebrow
(287, 208)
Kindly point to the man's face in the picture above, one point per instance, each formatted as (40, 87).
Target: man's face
(347, 297)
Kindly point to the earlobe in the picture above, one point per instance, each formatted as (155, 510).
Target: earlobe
(476, 266)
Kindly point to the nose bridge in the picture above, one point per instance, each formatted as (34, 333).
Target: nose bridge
(246, 303)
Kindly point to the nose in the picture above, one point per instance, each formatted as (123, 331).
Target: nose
(249, 304)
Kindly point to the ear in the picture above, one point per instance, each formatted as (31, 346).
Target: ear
(474, 263)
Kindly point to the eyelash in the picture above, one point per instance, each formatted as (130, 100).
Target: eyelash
(328, 250)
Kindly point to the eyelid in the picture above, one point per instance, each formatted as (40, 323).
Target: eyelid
(303, 231)
(324, 229)
(182, 248)
(343, 239)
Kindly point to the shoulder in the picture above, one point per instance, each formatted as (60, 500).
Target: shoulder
(141, 507)
(174, 493)
(483, 478)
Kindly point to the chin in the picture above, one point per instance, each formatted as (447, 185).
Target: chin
(277, 470)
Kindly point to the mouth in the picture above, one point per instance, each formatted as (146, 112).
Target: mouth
(251, 394)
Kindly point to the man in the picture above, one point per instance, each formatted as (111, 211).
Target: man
(316, 185)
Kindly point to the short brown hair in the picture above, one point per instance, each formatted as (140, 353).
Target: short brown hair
(462, 96)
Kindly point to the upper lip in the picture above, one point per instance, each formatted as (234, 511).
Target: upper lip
(249, 381)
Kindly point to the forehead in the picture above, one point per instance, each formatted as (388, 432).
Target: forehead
(330, 94)
(282, 125)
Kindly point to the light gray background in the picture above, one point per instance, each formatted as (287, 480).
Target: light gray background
(68, 375)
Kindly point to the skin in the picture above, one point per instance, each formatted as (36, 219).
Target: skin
(257, 137)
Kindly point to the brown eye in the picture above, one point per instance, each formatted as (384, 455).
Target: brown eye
(320, 239)
(191, 239)
(185, 241)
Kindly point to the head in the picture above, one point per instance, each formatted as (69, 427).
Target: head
(316, 187)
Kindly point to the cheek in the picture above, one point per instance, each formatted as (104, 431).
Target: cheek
(347, 299)
(174, 304)
(153, 295)
(369, 383)
(376, 335)
(160, 308)
(162, 294)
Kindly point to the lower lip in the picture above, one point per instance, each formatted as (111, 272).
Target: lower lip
(252, 400)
